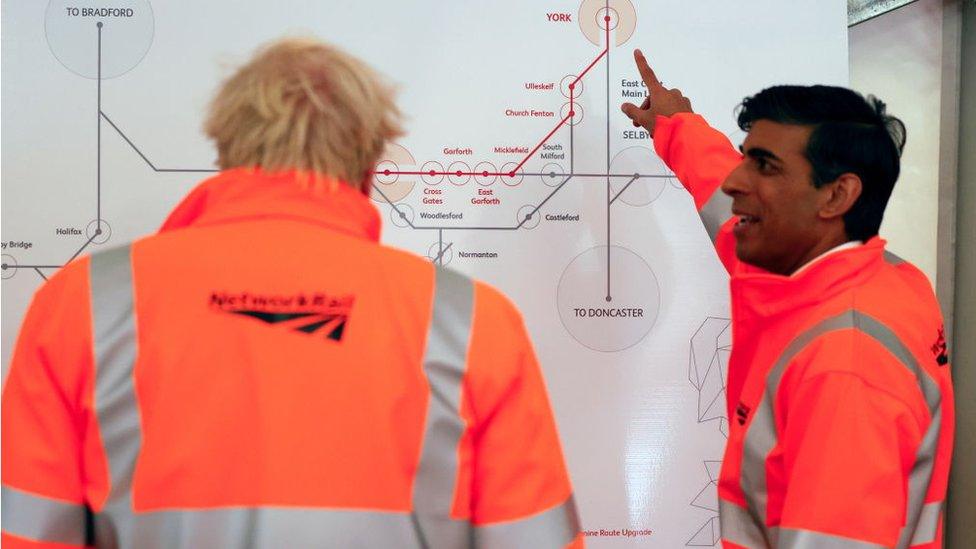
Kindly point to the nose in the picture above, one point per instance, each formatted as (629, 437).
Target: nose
(737, 182)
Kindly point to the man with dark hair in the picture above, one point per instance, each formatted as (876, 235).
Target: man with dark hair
(839, 393)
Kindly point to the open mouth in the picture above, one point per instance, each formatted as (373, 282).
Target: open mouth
(744, 224)
(747, 220)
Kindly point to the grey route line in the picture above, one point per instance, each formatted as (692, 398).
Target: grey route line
(554, 191)
(616, 196)
(146, 159)
(572, 147)
(98, 125)
(85, 245)
(403, 216)
(98, 166)
(36, 267)
(439, 258)
(642, 176)
(101, 115)
(609, 201)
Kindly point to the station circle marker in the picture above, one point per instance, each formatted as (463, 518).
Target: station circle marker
(389, 182)
(458, 171)
(568, 86)
(383, 171)
(528, 217)
(8, 266)
(402, 215)
(434, 172)
(99, 233)
(435, 249)
(485, 171)
(552, 174)
(609, 15)
(514, 176)
(574, 111)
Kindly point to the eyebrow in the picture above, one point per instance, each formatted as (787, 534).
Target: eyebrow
(759, 152)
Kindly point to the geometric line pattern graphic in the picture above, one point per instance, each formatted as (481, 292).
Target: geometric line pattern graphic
(708, 362)
(709, 534)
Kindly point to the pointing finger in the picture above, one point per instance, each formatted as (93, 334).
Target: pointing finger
(631, 110)
(644, 106)
(647, 73)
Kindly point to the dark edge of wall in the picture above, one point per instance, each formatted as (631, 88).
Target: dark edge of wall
(948, 161)
(960, 533)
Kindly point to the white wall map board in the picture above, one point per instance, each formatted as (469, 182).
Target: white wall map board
(638, 397)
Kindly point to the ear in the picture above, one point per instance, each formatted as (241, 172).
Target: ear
(840, 196)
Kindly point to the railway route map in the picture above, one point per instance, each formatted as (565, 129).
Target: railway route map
(518, 168)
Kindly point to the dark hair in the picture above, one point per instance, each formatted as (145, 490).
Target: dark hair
(851, 134)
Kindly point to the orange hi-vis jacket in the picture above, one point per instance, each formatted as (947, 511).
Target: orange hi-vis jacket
(839, 394)
(263, 373)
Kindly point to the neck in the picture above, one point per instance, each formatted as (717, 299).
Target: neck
(823, 246)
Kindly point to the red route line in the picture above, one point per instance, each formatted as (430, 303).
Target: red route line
(482, 174)
(590, 66)
(571, 112)
(485, 174)
(572, 93)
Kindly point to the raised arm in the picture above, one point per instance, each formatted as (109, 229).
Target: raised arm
(699, 155)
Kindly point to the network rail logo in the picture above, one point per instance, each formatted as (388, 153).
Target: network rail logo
(309, 313)
(940, 349)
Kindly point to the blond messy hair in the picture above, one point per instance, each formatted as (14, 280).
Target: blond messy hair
(302, 104)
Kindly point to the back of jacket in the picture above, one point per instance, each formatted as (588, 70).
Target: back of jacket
(264, 373)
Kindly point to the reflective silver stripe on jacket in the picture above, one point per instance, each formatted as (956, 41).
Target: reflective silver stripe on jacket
(739, 526)
(892, 258)
(43, 519)
(761, 434)
(272, 527)
(715, 212)
(928, 524)
(553, 528)
(445, 361)
(429, 526)
(808, 539)
(114, 326)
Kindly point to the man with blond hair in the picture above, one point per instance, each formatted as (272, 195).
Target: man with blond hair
(263, 373)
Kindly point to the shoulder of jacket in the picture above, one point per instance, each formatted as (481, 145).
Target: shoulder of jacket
(490, 300)
(865, 349)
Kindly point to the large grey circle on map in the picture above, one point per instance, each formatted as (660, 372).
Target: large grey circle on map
(634, 300)
(73, 35)
(640, 161)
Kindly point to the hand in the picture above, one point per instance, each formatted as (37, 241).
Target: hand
(659, 101)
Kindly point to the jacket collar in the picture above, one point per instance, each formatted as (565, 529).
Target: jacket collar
(759, 293)
(243, 194)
